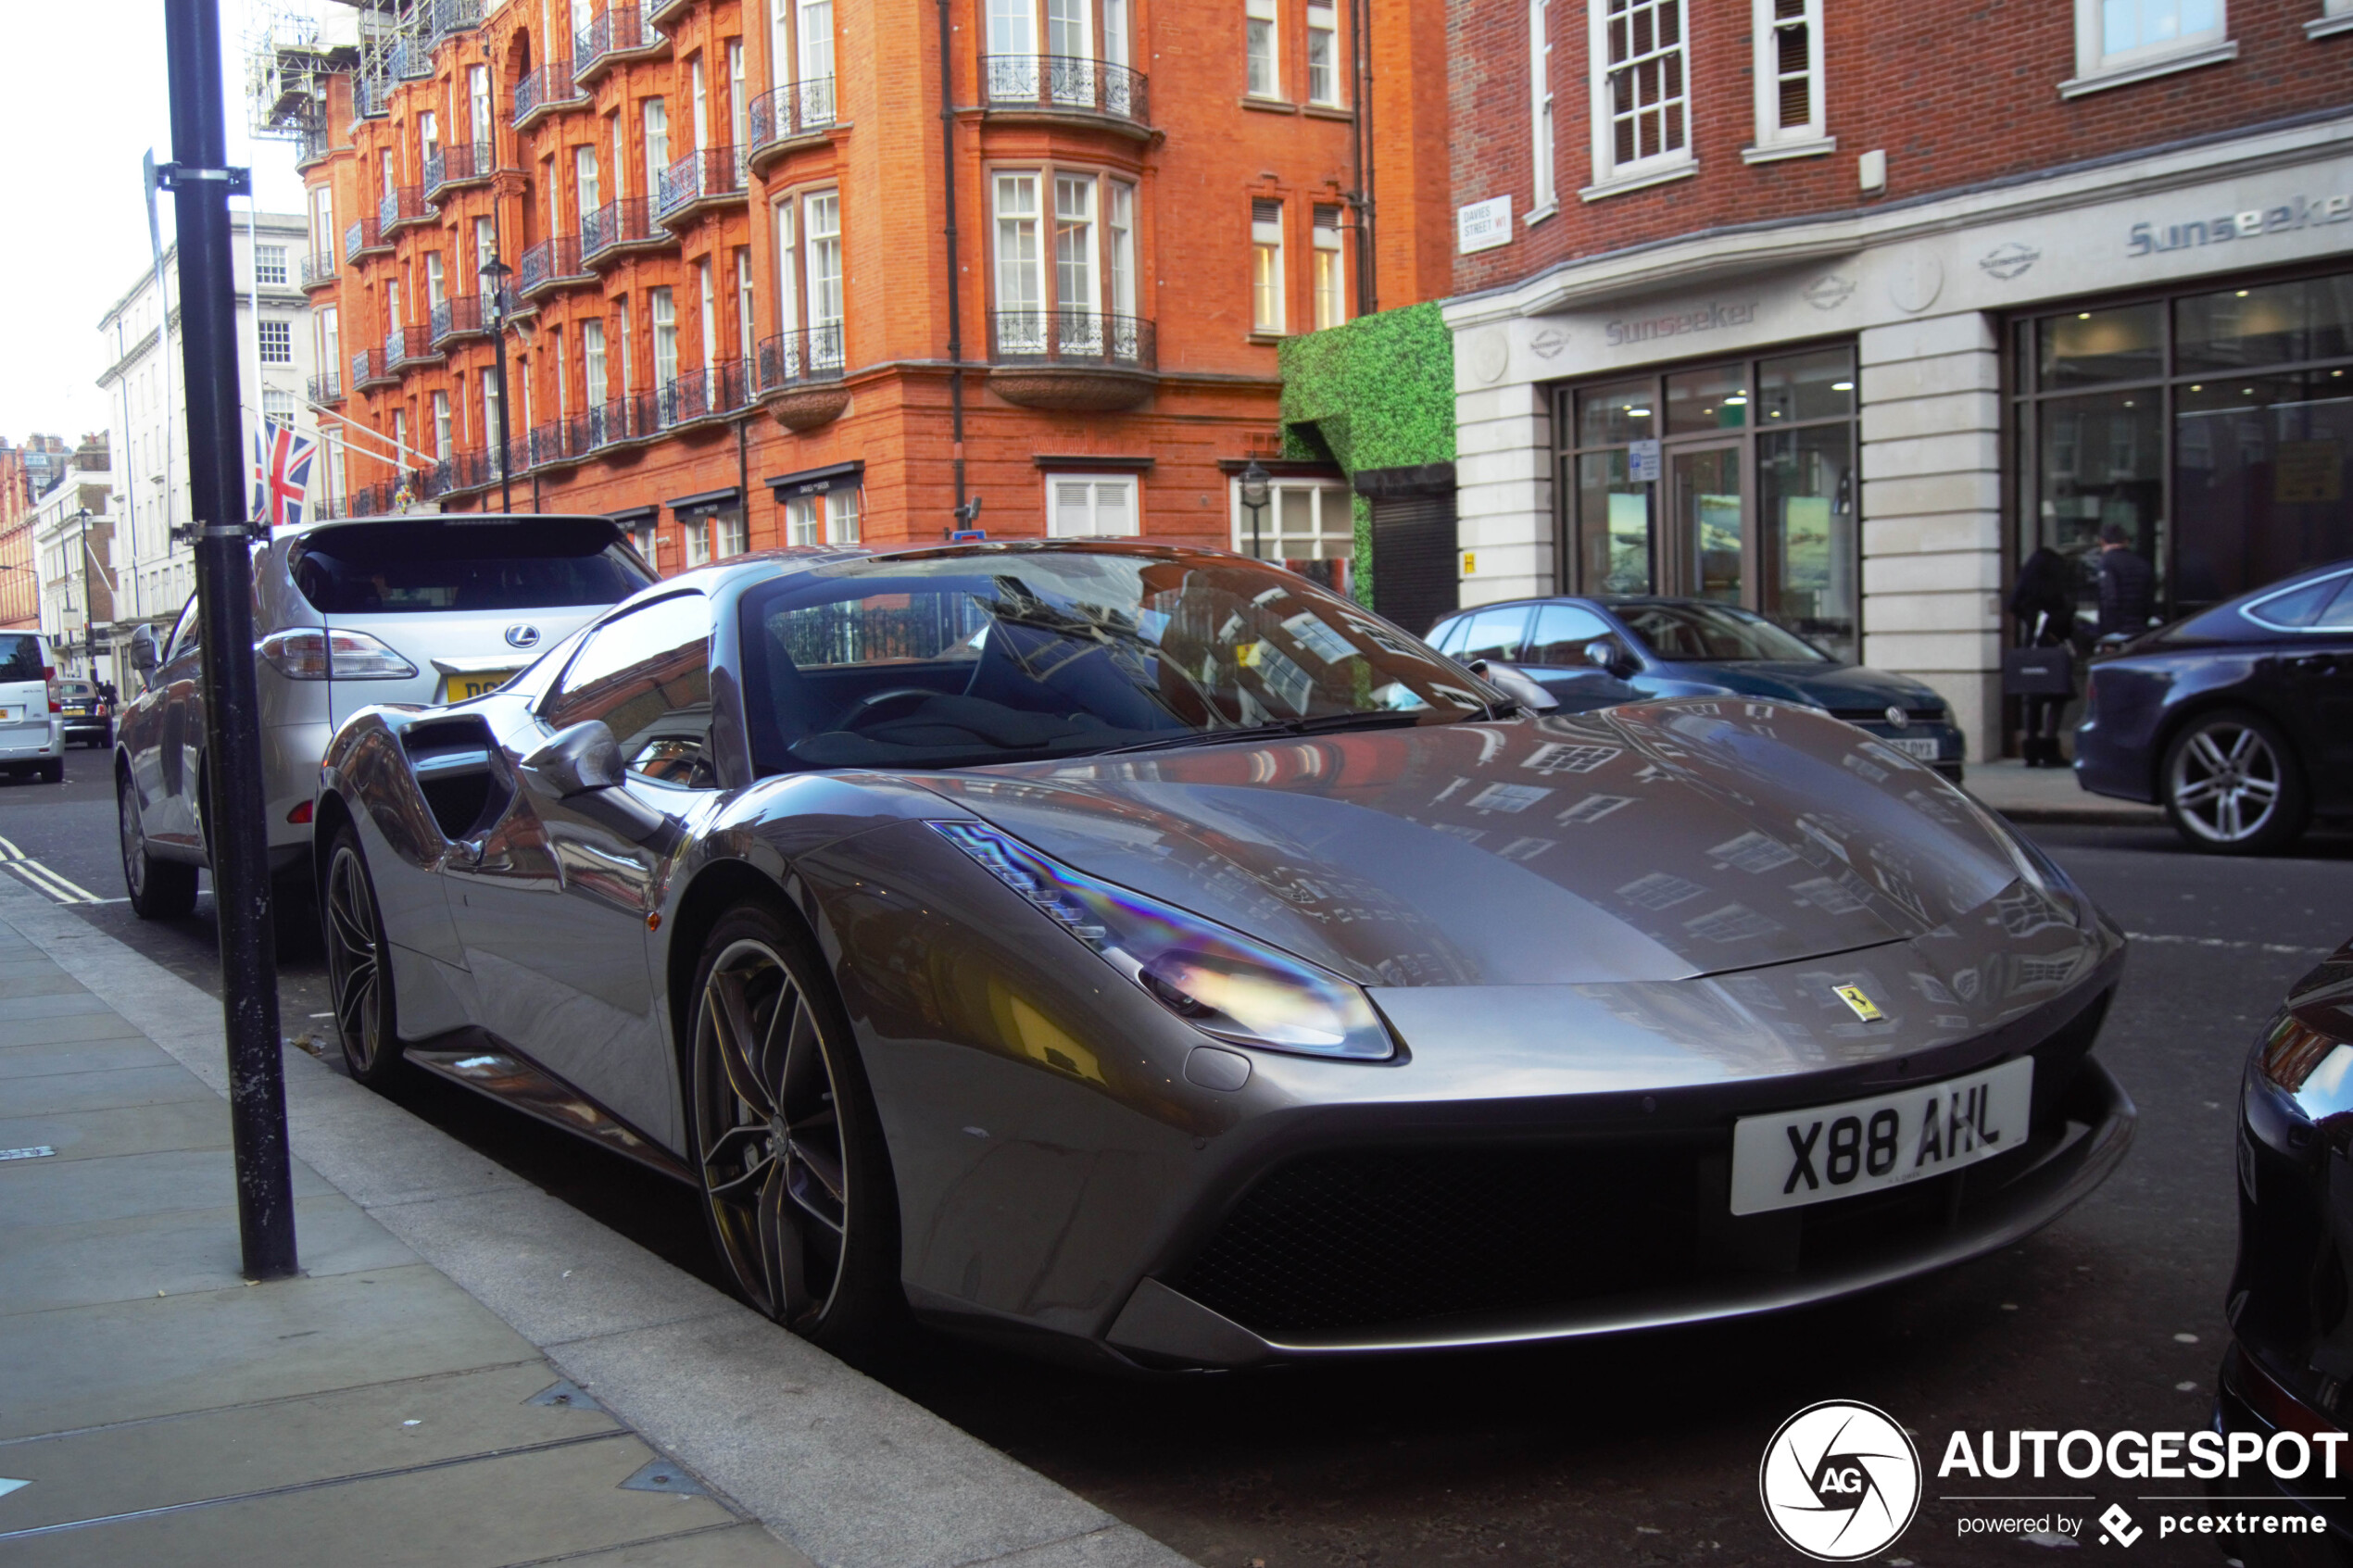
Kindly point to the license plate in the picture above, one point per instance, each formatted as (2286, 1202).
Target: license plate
(1798, 1157)
(1924, 748)
(10, 715)
(458, 688)
(77, 713)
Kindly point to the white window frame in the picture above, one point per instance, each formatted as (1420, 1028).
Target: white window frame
(743, 302)
(1323, 25)
(695, 530)
(486, 248)
(323, 238)
(267, 259)
(1268, 308)
(661, 310)
(729, 534)
(1126, 484)
(442, 438)
(1609, 175)
(654, 114)
(437, 281)
(478, 108)
(279, 332)
(2097, 67)
(1261, 51)
(1328, 260)
(596, 367)
(2336, 16)
(709, 305)
(1545, 155)
(587, 189)
(1808, 138)
(1331, 528)
(738, 98)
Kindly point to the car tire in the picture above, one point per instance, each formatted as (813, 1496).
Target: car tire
(2231, 785)
(797, 1185)
(53, 771)
(159, 889)
(359, 979)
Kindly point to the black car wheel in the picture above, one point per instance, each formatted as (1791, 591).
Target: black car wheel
(53, 771)
(358, 976)
(2231, 786)
(159, 889)
(797, 1186)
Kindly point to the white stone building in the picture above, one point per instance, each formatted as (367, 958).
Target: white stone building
(73, 530)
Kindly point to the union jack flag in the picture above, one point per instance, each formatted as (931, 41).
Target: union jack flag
(280, 475)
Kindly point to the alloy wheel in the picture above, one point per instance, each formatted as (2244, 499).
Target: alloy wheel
(354, 964)
(134, 849)
(2225, 783)
(769, 1138)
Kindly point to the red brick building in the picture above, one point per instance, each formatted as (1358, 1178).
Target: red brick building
(736, 318)
(1840, 312)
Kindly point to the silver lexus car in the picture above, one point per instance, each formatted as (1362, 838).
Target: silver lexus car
(1141, 953)
(346, 614)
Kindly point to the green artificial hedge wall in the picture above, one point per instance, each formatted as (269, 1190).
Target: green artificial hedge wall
(1377, 393)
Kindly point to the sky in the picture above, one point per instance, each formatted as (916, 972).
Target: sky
(80, 213)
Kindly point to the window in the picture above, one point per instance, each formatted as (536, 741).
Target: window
(738, 101)
(485, 248)
(696, 533)
(441, 448)
(1559, 637)
(1121, 247)
(829, 519)
(821, 214)
(1305, 520)
(700, 98)
(1021, 288)
(743, 301)
(478, 106)
(592, 361)
(1266, 266)
(490, 420)
(278, 407)
(710, 317)
(666, 320)
(1789, 75)
(1073, 245)
(436, 284)
(1641, 96)
(1323, 55)
(1540, 87)
(1090, 506)
(331, 341)
(277, 343)
(646, 675)
(428, 135)
(1488, 634)
(270, 264)
(2119, 41)
(657, 121)
(585, 189)
(1258, 27)
(322, 223)
(1331, 272)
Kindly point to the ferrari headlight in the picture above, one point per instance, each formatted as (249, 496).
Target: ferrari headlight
(1218, 981)
(2315, 1068)
(302, 655)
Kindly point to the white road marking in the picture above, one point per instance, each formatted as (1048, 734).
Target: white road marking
(31, 870)
(2225, 944)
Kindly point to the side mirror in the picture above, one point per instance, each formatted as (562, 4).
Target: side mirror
(1608, 653)
(578, 760)
(1515, 684)
(144, 656)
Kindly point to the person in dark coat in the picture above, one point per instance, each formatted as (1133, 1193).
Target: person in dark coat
(2043, 611)
(2127, 585)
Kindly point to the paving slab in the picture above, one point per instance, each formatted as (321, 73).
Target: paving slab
(68, 1004)
(17, 987)
(16, 1030)
(137, 1129)
(143, 1256)
(478, 1514)
(380, 1428)
(82, 1056)
(84, 1366)
(738, 1546)
(72, 1192)
(111, 1088)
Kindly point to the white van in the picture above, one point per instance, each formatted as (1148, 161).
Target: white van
(32, 731)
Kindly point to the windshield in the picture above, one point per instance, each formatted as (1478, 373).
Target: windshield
(1705, 631)
(967, 657)
(423, 565)
(19, 657)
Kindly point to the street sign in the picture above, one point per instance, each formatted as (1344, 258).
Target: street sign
(1641, 462)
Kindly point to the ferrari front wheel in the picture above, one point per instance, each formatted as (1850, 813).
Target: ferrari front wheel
(796, 1182)
(358, 971)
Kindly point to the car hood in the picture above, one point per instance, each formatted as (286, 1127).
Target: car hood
(1654, 841)
(1825, 685)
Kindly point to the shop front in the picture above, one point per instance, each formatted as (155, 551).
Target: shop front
(1861, 425)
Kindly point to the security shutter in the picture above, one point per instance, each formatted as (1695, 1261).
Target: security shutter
(1413, 571)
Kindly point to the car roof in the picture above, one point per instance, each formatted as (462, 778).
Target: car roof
(421, 520)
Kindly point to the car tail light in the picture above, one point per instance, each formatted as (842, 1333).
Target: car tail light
(302, 656)
(57, 696)
(300, 815)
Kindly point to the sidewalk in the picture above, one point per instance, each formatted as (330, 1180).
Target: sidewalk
(2051, 795)
(467, 1372)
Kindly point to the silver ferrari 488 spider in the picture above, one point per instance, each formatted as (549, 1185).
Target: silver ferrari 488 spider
(1143, 954)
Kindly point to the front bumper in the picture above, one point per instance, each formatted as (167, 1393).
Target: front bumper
(2239, 1387)
(1952, 748)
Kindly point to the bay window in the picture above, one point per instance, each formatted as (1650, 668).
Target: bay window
(808, 287)
(1089, 296)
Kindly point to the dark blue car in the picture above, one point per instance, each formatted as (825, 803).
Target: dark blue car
(2238, 721)
(1592, 652)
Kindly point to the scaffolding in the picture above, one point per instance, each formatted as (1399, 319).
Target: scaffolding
(290, 51)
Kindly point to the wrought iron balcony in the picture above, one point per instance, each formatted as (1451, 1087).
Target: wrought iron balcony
(318, 269)
(813, 354)
(402, 203)
(620, 226)
(462, 472)
(458, 317)
(412, 59)
(548, 88)
(408, 345)
(618, 420)
(364, 238)
(310, 145)
(659, 11)
(450, 169)
(1071, 359)
(1064, 84)
(711, 392)
(798, 108)
(558, 443)
(550, 264)
(372, 99)
(327, 387)
(714, 174)
(455, 16)
(370, 369)
(620, 33)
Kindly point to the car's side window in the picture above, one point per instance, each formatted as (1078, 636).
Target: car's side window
(2338, 615)
(1494, 633)
(186, 634)
(1561, 634)
(646, 674)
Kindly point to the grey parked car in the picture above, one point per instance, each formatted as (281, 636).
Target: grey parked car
(412, 610)
(1142, 953)
(32, 736)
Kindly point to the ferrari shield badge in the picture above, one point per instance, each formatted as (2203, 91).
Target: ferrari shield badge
(1865, 1008)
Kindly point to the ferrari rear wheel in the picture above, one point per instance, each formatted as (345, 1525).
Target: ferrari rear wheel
(159, 889)
(796, 1182)
(2231, 787)
(358, 975)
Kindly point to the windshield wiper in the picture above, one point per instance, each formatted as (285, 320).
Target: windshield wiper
(1322, 723)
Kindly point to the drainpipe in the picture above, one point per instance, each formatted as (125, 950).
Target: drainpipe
(955, 319)
(1367, 294)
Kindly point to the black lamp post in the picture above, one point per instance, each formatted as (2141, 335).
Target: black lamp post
(495, 272)
(1255, 491)
(89, 607)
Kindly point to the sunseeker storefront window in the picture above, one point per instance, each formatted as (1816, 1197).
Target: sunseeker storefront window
(1732, 482)
(2213, 426)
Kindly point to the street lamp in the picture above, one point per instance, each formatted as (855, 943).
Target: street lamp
(495, 272)
(1255, 491)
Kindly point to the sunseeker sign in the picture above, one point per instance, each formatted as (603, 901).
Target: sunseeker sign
(2304, 212)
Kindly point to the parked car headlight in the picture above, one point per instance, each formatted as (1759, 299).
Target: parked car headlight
(1220, 982)
(2313, 1067)
(303, 654)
